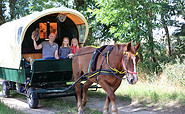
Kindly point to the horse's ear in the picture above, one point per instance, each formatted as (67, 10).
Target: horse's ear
(128, 47)
(138, 46)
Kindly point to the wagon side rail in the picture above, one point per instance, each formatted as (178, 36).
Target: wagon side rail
(51, 71)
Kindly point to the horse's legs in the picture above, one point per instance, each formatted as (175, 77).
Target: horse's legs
(114, 107)
(85, 89)
(106, 106)
(78, 93)
(111, 96)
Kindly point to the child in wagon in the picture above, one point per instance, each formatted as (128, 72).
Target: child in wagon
(74, 45)
(65, 50)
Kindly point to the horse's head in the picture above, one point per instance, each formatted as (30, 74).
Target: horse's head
(129, 62)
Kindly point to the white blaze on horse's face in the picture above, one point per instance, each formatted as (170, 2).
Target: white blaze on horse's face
(131, 77)
(135, 69)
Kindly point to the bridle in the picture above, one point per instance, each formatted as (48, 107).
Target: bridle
(124, 63)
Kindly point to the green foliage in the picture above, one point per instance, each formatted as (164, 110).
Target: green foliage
(134, 21)
(131, 21)
(20, 8)
(39, 5)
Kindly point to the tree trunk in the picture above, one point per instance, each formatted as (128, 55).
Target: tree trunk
(138, 35)
(150, 35)
(12, 4)
(167, 36)
(2, 17)
(79, 4)
(151, 41)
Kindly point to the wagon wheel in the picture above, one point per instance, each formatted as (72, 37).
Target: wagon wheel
(5, 89)
(32, 98)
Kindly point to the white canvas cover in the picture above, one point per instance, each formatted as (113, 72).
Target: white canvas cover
(12, 34)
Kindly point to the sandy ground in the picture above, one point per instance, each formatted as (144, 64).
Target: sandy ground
(93, 103)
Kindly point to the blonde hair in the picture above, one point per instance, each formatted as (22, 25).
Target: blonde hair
(63, 41)
(72, 43)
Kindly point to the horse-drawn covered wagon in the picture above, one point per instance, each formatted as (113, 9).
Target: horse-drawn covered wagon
(22, 67)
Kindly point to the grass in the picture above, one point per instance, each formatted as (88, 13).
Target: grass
(6, 110)
(145, 93)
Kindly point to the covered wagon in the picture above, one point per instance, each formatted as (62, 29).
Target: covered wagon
(22, 67)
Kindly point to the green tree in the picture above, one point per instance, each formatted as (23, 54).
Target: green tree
(2, 10)
(131, 21)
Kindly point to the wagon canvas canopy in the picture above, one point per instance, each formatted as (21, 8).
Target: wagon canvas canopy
(12, 34)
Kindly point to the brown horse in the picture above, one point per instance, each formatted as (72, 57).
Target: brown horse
(122, 57)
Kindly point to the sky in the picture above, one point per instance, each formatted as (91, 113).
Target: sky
(159, 32)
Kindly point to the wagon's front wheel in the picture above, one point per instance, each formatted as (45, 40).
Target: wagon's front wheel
(32, 98)
(5, 89)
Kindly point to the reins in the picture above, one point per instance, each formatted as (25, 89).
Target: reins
(84, 54)
(113, 71)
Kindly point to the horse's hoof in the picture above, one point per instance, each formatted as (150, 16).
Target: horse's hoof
(81, 112)
(105, 112)
(84, 103)
(115, 112)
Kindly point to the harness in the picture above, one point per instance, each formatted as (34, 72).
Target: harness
(92, 64)
(111, 71)
(124, 63)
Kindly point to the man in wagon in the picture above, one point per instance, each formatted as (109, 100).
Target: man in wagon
(49, 48)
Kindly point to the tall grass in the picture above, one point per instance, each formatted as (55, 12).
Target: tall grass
(175, 74)
(153, 93)
(148, 93)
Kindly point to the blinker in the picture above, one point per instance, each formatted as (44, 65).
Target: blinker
(128, 53)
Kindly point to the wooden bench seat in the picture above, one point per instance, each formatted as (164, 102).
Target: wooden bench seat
(33, 56)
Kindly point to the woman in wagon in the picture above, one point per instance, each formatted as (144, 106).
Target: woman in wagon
(49, 48)
(74, 45)
(65, 50)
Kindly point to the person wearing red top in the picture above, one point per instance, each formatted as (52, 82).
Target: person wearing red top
(74, 45)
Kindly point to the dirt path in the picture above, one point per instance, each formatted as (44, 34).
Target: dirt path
(93, 103)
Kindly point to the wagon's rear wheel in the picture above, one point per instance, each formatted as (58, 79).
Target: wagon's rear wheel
(5, 89)
(32, 98)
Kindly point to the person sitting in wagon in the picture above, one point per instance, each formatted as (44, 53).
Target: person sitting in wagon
(74, 45)
(65, 50)
(49, 48)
